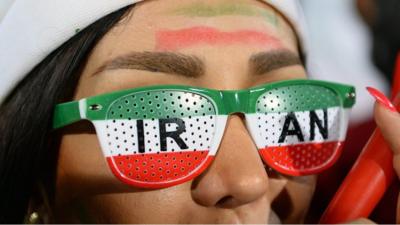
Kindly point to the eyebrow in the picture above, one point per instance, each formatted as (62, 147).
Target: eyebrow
(164, 62)
(265, 62)
(191, 66)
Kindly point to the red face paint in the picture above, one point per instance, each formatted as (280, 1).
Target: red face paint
(184, 38)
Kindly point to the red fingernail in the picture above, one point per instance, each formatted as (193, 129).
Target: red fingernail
(381, 98)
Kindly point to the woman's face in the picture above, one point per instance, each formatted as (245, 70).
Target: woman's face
(225, 36)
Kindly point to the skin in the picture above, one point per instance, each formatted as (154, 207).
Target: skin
(389, 123)
(237, 187)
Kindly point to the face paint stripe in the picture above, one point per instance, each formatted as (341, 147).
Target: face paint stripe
(170, 40)
(225, 9)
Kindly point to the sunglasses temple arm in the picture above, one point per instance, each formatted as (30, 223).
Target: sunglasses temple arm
(68, 113)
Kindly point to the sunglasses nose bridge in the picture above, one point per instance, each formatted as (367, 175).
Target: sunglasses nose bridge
(235, 101)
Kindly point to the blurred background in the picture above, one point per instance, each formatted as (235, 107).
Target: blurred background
(354, 42)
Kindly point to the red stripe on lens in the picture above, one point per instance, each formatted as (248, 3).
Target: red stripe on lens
(159, 170)
(302, 159)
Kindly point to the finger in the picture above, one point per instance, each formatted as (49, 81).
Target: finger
(389, 123)
(388, 120)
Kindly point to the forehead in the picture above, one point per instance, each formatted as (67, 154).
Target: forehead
(175, 25)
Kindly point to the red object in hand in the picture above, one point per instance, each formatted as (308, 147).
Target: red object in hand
(365, 184)
(369, 178)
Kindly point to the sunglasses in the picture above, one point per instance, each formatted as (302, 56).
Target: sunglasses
(160, 136)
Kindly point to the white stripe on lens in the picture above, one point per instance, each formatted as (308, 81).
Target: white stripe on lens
(268, 128)
(219, 132)
(120, 137)
(344, 123)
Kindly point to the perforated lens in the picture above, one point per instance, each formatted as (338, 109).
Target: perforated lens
(299, 128)
(158, 138)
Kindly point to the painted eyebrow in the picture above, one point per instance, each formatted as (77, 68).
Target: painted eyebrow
(265, 62)
(164, 62)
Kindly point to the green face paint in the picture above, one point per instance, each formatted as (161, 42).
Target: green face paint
(225, 9)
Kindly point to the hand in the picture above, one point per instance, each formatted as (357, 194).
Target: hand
(389, 123)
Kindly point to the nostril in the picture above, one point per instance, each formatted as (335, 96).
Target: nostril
(225, 202)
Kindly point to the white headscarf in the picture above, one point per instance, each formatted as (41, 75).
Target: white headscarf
(31, 29)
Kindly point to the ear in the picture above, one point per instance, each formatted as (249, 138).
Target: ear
(39, 210)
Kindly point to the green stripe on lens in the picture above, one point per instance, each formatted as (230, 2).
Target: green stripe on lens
(296, 98)
(160, 104)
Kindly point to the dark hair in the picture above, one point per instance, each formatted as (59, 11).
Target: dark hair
(27, 146)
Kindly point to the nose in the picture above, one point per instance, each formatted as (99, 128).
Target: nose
(237, 175)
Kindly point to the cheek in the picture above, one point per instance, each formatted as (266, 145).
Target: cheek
(159, 206)
(300, 191)
(84, 179)
(82, 168)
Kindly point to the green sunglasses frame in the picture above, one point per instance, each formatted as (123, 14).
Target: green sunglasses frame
(226, 101)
